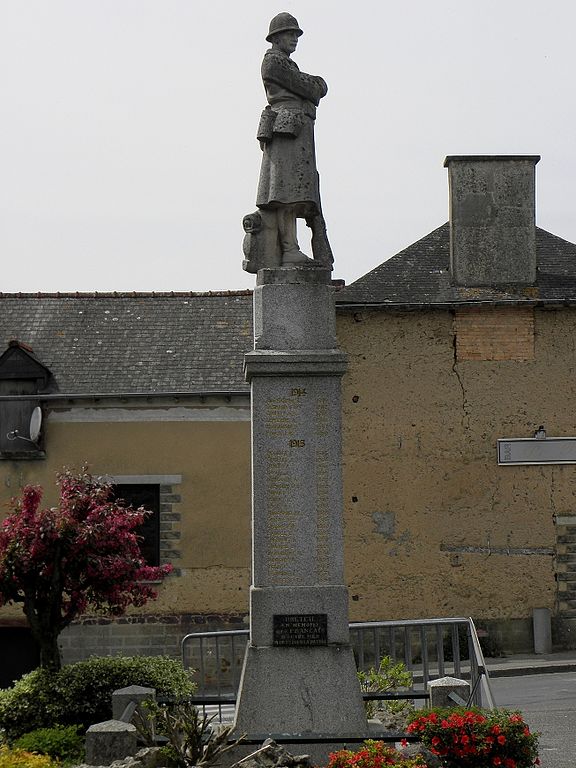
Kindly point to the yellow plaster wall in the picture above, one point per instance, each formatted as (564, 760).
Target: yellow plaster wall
(420, 469)
(213, 459)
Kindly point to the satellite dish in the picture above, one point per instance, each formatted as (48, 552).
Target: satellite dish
(35, 423)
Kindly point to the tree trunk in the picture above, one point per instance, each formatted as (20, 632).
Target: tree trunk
(46, 636)
(49, 652)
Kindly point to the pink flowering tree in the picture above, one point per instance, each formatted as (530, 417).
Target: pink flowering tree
(82, 554)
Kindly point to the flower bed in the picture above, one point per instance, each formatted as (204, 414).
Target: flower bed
(470, 738)
(374, 754)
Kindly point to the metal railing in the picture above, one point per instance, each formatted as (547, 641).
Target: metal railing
(430, 648)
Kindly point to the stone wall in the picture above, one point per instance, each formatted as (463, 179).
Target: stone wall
(152, 634)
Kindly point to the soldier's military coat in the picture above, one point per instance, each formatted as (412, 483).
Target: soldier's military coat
(288, 174)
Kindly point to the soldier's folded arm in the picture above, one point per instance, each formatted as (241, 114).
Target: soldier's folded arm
(286, 74)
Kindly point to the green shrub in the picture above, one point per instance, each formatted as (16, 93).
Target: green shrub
(62, 743)
(81, 693)
(18, 758)
(389, 676)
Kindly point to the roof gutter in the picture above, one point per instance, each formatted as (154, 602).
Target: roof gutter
(51, 397)
(455, 304)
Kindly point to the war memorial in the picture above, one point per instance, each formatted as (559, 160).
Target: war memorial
(299, 673)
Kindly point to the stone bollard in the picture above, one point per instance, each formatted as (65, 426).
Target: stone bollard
(109, 741)
(542, 630)
(125, 696)
(449, 692)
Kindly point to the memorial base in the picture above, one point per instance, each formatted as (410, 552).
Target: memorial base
(300, 691)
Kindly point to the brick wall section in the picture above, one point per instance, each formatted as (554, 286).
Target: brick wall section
(495, 333)
(566, 569)
(170, 529)
(149, 635)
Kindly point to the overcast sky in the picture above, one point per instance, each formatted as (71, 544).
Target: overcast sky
(128, 154)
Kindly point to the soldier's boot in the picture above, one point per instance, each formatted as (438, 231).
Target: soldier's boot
(321, 249)
(291, 253)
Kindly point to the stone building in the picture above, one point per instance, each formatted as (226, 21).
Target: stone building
(148, 390)
(464, 338)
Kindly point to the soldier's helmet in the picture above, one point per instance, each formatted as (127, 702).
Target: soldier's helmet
(283, 22)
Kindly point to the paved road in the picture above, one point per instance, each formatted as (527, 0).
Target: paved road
(548, 703)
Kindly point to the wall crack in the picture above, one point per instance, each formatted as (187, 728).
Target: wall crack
(465, 413)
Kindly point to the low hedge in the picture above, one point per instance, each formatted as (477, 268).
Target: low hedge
(62, 743)
(80, 694)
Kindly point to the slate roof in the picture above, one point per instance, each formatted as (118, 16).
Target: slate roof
(419, 277)
(134, 343)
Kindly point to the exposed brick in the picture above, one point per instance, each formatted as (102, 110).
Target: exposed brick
(169, 619)
(569, 614)
(170, 554)
(495, 333)
(568, 558)
(568, 578)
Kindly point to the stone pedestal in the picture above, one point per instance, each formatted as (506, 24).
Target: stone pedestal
(109, 741)
(299, 673)
(449, 692)
(122, 697)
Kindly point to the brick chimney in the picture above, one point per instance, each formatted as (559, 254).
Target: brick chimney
(492, 219)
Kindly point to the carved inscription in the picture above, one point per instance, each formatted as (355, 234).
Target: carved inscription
(281, 416)
(297, 429)
(300, 629)
(282, 518)
(283, 484)
(323, 533)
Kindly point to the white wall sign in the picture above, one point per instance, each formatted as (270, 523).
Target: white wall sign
(529, 450)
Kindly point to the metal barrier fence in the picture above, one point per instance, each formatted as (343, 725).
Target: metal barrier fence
(430, 648)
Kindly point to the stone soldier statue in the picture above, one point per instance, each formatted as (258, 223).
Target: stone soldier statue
(288, 187)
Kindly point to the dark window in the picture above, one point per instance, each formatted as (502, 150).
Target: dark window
(147, 496)
(20, 654)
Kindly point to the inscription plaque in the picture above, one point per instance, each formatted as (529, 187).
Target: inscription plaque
(300, 629)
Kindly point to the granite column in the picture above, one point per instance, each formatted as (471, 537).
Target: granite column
(299, 674)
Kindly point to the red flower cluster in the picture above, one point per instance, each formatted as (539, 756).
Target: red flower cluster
(374, 754)
(467, 738)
